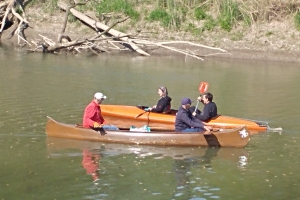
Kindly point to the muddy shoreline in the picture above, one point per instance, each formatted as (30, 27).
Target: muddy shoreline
(240, 54)
(247, 54)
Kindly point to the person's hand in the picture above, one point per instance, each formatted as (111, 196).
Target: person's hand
(199, 98)
(194, 114)
(97, 125)
(207, 128)
(154, 106)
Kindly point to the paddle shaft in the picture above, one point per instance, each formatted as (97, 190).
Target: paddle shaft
(196, 106)
(141, 114)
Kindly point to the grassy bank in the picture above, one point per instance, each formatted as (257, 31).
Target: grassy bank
(234, 25)
(193, 16)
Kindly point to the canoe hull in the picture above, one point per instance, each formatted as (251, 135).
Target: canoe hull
(237, 137)
(126, 116)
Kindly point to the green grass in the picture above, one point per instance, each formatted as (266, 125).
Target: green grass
(122, 6)
(49, 6)
(71, 18)
(297, 20)
(193, 29)
(160, 15)
(179, 14)
(231, 14)
(269, 33)
(200, 13)
(209, 24)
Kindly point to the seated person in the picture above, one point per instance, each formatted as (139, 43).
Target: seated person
(210, 108)
(164, 103)
(92, 117)
(186, 122)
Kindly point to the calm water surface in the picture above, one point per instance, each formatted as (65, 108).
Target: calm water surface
(33, 166)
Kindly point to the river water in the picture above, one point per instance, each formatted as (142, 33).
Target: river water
(34, 86)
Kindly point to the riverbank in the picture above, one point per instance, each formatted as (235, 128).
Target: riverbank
(275, 41)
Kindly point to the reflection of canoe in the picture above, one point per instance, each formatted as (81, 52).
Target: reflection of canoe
(125, 116)
(237, 137)
(56, 145)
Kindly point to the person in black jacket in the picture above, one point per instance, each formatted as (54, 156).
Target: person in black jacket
(164, 103)
(210, 108)
(185, 121)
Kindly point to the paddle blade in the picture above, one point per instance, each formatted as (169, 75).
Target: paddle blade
(203, 87)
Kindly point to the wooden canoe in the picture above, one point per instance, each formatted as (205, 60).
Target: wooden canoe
(237, 137)
(126, 116)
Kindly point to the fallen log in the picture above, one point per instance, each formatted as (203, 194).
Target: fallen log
(97, 25)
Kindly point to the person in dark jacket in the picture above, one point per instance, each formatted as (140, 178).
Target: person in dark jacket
(164, 103)
(210, 108)
(185, 121)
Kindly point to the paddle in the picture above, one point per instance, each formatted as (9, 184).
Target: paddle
(203, 86)
(141, 114)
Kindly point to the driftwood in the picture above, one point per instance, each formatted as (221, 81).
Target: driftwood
(97, 25)
(9, 7)
(106, 38)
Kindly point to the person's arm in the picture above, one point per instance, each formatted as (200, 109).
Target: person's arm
(160, 106)
(204, 116)
(192, 123)
(195, 111)
(88, 115)
(199, 124)
(102, 120)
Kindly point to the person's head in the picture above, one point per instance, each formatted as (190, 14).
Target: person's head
(186, 103)
(162, 91)
(98, 97)
(207, 97)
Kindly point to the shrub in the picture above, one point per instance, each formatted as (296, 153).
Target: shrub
(229, 14)
(200, 13)
(160, 15)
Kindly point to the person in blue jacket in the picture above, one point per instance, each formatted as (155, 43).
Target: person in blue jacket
(186, 122)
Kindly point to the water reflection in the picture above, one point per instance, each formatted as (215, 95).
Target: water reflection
(90, 162)
(188, 172)
(185, 159)
(183, 170)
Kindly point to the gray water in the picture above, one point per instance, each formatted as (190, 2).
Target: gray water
(33, 166)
